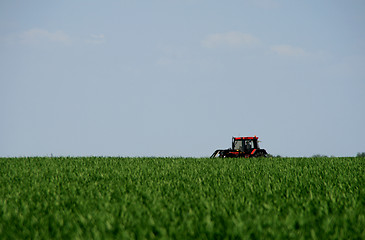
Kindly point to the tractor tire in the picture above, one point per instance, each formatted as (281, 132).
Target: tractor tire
(260, 154)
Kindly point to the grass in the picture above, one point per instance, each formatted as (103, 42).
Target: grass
(182, 198)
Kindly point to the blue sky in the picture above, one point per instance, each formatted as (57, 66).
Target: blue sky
(181, 77)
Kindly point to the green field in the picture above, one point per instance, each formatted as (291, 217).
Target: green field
(182, 198)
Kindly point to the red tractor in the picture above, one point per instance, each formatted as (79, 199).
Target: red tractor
(244, 147)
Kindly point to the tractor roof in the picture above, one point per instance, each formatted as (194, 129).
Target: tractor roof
(244, 138)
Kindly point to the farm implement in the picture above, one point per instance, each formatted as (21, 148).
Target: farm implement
(244, 147)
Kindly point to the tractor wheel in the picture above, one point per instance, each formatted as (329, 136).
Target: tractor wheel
(260, 154)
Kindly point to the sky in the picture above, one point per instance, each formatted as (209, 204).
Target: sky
(181, 77)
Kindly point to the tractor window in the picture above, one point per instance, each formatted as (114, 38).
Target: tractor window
(245, 145)
(238, 145)
(249, 144)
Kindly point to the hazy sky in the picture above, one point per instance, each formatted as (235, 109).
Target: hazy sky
(181, 77)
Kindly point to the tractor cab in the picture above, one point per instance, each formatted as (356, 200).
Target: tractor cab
(245, 144)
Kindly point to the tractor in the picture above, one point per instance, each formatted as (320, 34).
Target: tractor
(244, 147)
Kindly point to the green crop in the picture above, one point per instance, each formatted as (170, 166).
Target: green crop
(182, 198)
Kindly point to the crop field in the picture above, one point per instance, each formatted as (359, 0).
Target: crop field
(182, 198)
